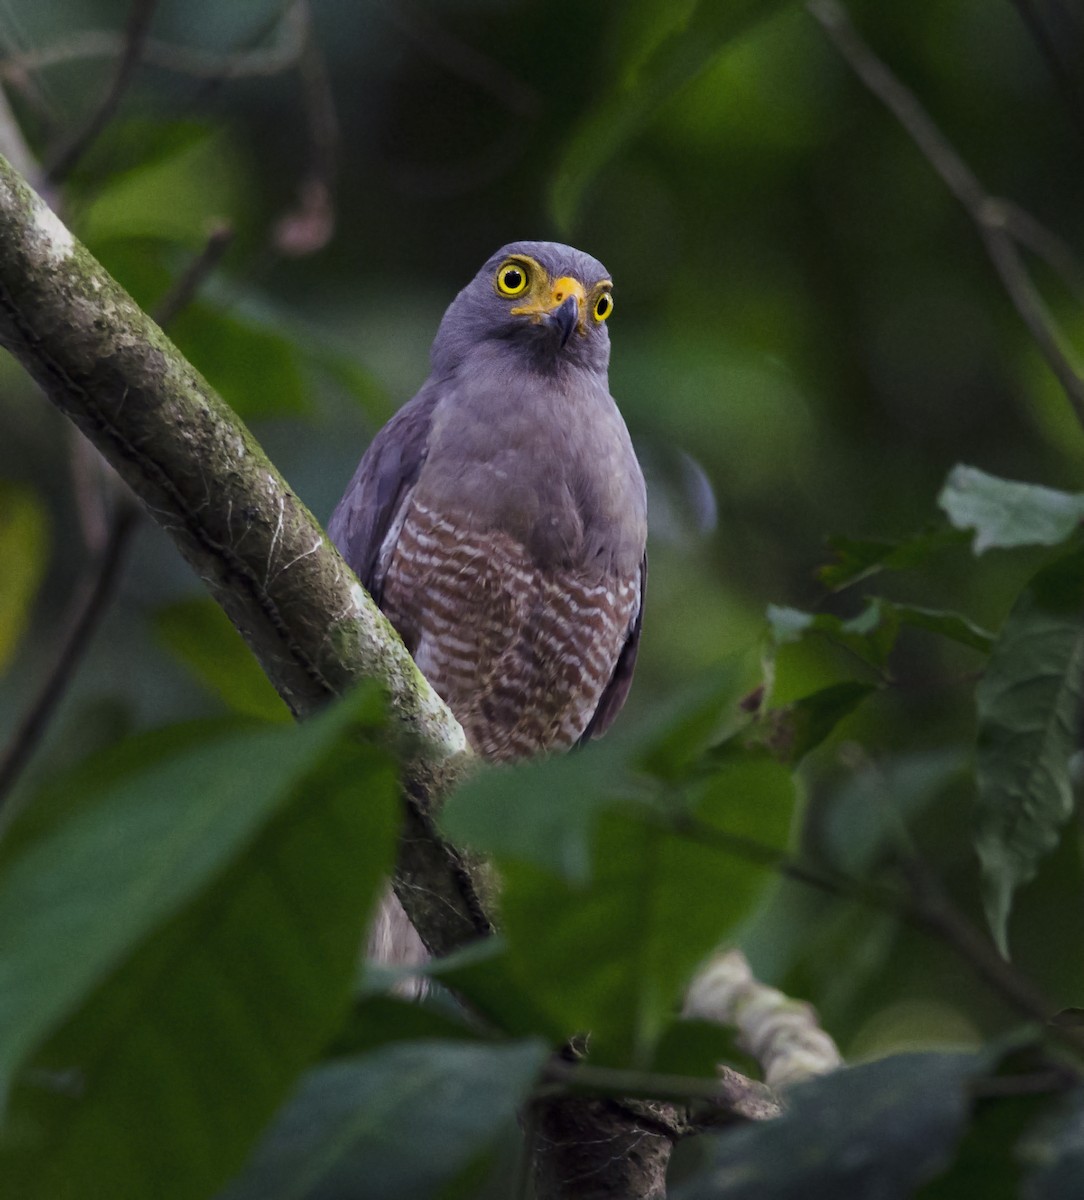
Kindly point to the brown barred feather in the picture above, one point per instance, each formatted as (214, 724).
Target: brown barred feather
(521, 655)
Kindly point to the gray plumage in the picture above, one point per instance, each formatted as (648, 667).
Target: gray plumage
(499, 518)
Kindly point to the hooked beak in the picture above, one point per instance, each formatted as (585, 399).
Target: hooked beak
(566, 317)
(563, 308)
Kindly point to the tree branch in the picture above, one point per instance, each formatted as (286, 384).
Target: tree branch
(782, 1034)
(998, 222)
(260, 552)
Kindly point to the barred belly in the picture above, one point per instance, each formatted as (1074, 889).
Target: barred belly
(520, 655)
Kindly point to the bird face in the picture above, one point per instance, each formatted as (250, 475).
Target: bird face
(542, 300)
(562, 303)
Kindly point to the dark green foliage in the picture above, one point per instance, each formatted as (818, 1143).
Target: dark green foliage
(808, 336)
(1030, 708)
(402, 1123)
(199, 633)
(871, 1131)
(179, 950)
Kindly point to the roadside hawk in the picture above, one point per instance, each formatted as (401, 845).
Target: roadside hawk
(499, 519)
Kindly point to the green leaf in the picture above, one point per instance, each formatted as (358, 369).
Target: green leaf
(861, 823)
(993, 1150)
(377, 1020)
(695, 1049)
(175, 194)
(540, 812)
(178, 950)
(877, 1130)
(696, 36)
(200, 634)
(673, 745)
(655, 904)
(254, 365)
(871, 634)
(1004, 513)
(859, 558)
(650, 914)
(481, 975)
(952, 625)
(791, 731)
(400, 1123)
(1030, 707)
(24, 546)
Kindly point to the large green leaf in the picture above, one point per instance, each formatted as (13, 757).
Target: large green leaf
(1030, 708)
(873, 1131)
(693, 37)
(544, 812)
(400, 1123)
(200, 634)
(178, 949)
(254, 364)
(1004, 513)
(541, 812)
(23, 554)
(613, 953)
(481, 974)
(175, 194)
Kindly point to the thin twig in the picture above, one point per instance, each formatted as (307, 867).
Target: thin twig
(139, 20)
(1046, 245)
(739, 1095)
(87, 610)
(98, 587)
(280, 56)
(185, 287)
(993, 218)
(925, 906)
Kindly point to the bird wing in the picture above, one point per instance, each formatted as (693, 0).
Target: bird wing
(372, 508)
(616, 691)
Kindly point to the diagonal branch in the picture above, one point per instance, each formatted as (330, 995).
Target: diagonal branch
(260, 552)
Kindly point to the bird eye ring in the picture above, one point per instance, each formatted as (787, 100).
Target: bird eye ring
(604, 305)
(512, 279)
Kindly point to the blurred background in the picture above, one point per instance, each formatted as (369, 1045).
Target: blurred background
(808, 335)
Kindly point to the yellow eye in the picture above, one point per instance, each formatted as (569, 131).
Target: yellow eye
(512, 279)
(604, 305)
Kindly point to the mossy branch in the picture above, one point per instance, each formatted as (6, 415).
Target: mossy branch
(263, 556)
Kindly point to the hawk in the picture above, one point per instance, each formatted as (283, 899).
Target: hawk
(500, 518)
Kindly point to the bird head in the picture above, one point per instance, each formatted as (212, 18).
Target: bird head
(548, 300)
